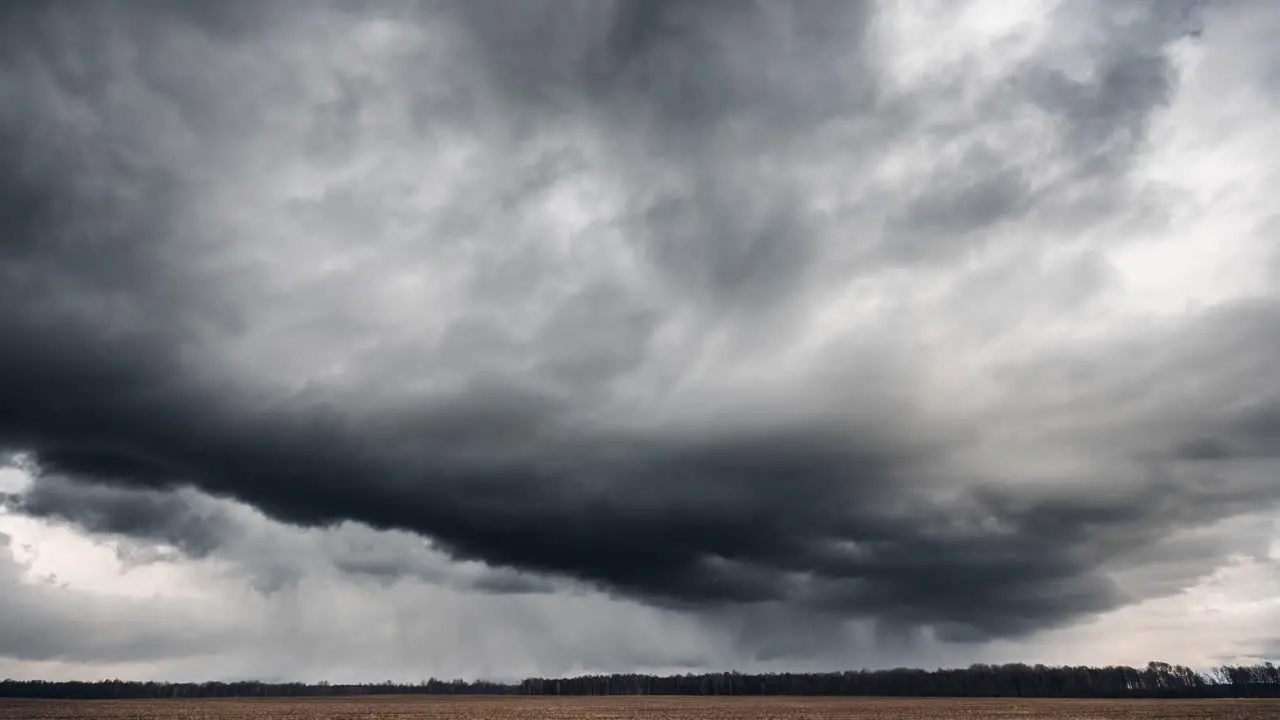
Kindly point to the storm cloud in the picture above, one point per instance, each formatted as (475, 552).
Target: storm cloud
(707, 306)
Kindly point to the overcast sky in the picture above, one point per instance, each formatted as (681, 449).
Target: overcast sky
(364, 341)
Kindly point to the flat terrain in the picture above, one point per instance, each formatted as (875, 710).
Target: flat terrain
(639, 708)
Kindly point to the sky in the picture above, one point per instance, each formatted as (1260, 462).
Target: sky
(365, 341)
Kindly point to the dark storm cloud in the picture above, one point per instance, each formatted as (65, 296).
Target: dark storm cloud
(115, 303)
(106, 510)
(749, 519)
(199, 526)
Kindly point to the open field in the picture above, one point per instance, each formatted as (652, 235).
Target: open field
(639, 708)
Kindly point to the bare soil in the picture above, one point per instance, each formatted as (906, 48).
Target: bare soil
(639, 708)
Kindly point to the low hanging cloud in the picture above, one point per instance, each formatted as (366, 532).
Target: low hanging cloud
(707, 305)
(149, 525)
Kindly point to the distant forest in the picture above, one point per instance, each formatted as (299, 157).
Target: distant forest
(1156, 680)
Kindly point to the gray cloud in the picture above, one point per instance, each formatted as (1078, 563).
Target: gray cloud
(99, 509)
(271, 556)
(680, 68)
(43, 622)
(540, 312)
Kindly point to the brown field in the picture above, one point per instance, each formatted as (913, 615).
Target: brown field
(638, 708)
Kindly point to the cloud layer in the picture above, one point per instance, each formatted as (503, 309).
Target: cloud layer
(932, 318)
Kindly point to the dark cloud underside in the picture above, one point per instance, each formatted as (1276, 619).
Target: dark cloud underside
(152, 338)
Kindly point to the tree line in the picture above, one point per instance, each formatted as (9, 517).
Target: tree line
(131, 690)
(1156, 680)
